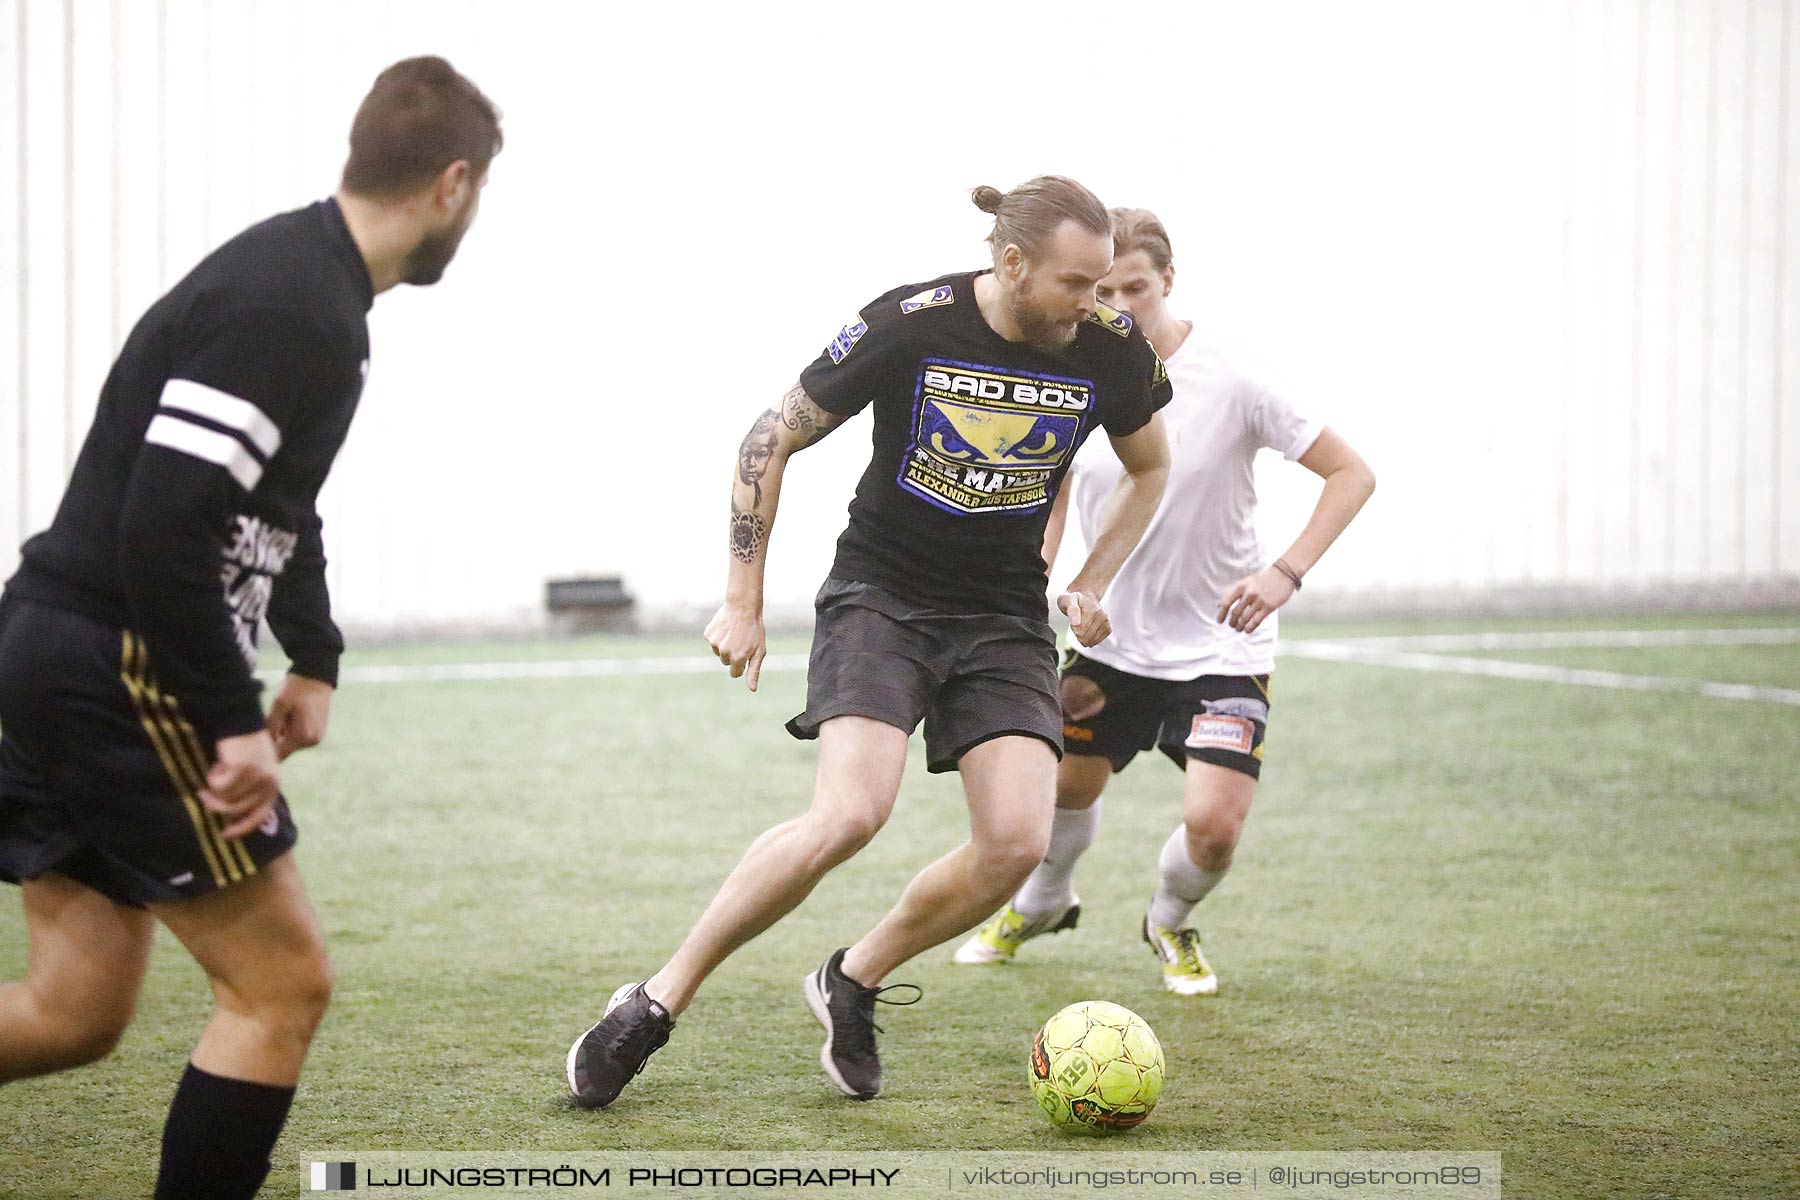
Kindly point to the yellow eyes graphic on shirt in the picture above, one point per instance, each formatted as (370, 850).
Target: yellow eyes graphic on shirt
(969, 434)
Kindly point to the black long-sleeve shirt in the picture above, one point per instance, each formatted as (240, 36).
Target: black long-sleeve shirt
(192, 511)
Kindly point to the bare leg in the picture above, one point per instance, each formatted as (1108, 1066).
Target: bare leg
(1049, 891)
(81, 982)
(1010, 782)
(860, 764)
(1215, 804)
(1080, 778)
(260, 946)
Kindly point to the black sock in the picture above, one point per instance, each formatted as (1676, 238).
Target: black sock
(220, 1132)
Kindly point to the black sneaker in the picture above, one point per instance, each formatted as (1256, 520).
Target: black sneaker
(847, 1011)
(608, 1056)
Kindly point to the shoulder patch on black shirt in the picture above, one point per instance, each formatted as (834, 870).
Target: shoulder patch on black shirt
(929, 298)
(846, 339)
(1111, 318)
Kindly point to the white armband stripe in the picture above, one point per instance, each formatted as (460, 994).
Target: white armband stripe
(207, 444)
(224, 409)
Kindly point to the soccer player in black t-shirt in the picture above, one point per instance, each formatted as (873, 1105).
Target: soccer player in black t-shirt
(983, 384)
(138, 773)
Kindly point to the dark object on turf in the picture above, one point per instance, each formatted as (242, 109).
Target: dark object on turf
(610, 1055)
(847, 1011)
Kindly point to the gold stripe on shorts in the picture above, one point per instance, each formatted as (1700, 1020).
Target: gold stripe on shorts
(132, 669)
(196, 757)
(191, 758)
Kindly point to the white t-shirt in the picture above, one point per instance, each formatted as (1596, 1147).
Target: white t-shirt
(1164, 604)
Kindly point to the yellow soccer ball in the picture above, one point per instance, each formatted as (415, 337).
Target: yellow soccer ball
(1096, 1067)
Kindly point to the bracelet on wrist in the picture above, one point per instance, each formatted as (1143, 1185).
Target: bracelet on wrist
(1293, 576)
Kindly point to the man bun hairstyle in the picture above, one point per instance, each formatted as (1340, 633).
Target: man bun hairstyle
(1140, 229)
(1029, 215)
(421, 116)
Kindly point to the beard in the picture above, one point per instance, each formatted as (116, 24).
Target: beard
(1040, 330)
(426, 264)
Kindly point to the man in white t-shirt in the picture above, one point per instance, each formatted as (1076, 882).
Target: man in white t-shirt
(1187, 668)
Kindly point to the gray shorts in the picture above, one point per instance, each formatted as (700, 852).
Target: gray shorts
(970, 678)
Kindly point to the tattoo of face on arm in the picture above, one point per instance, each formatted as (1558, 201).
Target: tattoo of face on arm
(754, 453)
(747, 533)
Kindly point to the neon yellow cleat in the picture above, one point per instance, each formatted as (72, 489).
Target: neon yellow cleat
(1185, 970)
(1000, 939)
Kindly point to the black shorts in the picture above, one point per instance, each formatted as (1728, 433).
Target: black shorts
(100, 771)
(1218, 719)
(971, 678)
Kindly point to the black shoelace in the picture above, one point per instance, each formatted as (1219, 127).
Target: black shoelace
(640, 1039)
(868, 998)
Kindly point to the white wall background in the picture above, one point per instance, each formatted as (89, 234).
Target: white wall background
(1540, 262)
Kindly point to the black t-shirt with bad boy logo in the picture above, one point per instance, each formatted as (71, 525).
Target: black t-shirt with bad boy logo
(973, 436)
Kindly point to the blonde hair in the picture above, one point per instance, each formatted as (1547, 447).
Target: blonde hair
(1140, 229)
(1029, 215)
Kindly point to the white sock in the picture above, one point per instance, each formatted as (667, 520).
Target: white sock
(1050, 888)
(1184, 883)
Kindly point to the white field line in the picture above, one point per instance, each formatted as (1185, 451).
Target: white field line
(1582, 639)
(565, 668)
(1412, 660)
(1417, 653)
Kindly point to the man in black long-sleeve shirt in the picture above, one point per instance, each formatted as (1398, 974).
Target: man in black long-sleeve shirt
(138, 773)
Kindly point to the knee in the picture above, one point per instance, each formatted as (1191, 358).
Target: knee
(289, 1001)
(1213, 837)
(312, 991)
(308, 993)
(1076, 796)
(838, 835)
(1006, 860)
(91, 1039)
(75, 1038)
(1080, 780)
(97, 1042)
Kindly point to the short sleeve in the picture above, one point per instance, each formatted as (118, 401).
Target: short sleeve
(851, 370)
(1275, 423)
(1144, 391)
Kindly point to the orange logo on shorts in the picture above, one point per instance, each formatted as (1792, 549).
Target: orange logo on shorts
(1078, 733)
(1217, 731)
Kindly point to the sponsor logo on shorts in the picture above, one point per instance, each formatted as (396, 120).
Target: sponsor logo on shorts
(929, 298)
(1078, 733)
(846, 340)
(1239, 706)
(1220, 731)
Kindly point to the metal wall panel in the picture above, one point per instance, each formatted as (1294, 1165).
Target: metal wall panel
(1579, 360)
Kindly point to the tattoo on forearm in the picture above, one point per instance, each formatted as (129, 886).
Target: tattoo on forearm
(754, 453)
(748, 531)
